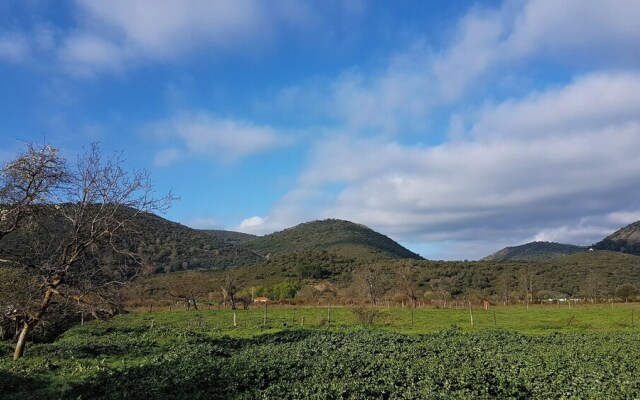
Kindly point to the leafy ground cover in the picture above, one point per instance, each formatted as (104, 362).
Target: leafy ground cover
(201, 355)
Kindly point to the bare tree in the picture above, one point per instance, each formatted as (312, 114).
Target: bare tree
(441, 288)
(505, 283)
(408, 274)
(369, 282)
(188, 287)
(592, 286)
(77, 222)
(526, 284)
(230, 288)
(33, 178)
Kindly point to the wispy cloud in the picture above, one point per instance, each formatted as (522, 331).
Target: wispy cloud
(14, 47)
(166, 157)
(169, 29)
(87, 54)
(119, 34)
(486, 44)
(223, 139)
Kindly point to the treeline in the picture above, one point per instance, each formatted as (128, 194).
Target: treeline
(310, 277)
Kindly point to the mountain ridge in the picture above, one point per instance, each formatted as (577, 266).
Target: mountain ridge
(624, 240)
(535, 251)
(166, 246)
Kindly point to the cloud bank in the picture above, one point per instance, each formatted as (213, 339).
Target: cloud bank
(554, 162)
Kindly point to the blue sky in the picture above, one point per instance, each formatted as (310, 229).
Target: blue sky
(456, 128)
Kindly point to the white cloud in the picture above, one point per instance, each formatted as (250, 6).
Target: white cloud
(484, 45)
(621, 218)
(532, 168)
(86, 54)
(225, 139)
(114, 35)
(579, 234)
(591, 102)
(252, 225)
(595, 31)
(167, 28)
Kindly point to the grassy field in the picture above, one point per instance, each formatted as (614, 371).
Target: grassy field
(535, 320)
(543, 352)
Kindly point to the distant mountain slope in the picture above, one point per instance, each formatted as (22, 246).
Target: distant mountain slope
(624, 240)
(229, 236)
(341, 237)
(165, 246)
(535, 251)
(172, 246)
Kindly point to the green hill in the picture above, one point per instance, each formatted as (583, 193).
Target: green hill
(535, 251)
(624, 240)
(337, 236)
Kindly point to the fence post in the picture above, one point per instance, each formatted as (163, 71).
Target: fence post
(470, 313)
(264, 322)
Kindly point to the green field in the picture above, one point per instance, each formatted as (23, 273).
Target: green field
(544, 352)
(536, 320)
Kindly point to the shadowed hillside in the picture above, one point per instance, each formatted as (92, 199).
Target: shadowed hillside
(170, 246)
(535, 251)
(165, 246)
(624, 240)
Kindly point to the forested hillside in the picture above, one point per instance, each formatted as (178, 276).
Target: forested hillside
(624, 240)
(341, 237)
(535, 251)
(160, 245)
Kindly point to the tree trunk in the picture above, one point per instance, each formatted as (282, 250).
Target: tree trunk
(27, 326)
(22, 340)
